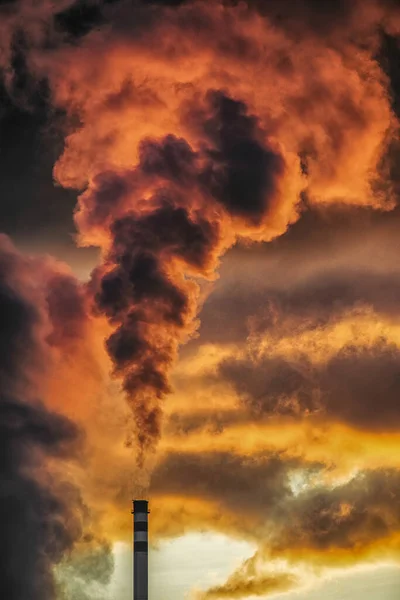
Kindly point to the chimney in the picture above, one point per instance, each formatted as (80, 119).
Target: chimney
(140, 550)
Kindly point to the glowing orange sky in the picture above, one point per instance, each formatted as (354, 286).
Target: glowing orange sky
(237, 326)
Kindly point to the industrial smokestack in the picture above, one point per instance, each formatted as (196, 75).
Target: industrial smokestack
(140, 550)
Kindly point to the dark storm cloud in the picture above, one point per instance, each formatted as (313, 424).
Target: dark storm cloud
(254, 485)
(327, 295)
(33, 210)
(273, 386)
(40, 516)
(329, 261)
(290, 281)
(358, 385)
(361, 386)
(351, 517)
(39, 523)
(334, 526)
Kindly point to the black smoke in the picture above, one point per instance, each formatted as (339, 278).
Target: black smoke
(232, 174)
(242, 171)
(39, 515)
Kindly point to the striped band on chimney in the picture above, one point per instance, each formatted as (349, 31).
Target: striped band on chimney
(140, 549)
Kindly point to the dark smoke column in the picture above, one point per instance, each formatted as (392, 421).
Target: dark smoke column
(140, 549)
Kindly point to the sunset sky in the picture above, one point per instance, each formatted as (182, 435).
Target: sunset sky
(200, 297)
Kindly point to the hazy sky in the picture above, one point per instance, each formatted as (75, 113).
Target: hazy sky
(199, 297)
(189, 562)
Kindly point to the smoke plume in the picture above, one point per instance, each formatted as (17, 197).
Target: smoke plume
(177, 212)
(190, 128)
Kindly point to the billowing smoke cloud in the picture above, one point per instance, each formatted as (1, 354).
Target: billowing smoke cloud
(236, 172)
(47, 528)
(197, 202)
(215, 162)
(38, 522)
(86, 574)
(40, 515)
(241, 117)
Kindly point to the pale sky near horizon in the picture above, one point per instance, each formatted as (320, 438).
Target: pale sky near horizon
(203, 560)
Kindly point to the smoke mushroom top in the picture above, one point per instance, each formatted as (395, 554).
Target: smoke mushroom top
(193, 133)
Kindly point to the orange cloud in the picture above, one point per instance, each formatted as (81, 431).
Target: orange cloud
(213, 166)
(202, 126)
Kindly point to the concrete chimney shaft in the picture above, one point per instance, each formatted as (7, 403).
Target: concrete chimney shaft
(140, 550)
